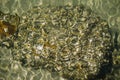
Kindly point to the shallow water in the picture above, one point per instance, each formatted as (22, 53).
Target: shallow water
(106, 9)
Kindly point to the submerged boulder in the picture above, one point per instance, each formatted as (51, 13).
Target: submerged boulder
(70, 40)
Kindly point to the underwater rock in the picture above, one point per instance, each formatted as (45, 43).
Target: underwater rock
(70, 40)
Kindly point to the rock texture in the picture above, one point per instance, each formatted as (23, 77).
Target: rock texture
(70, 41)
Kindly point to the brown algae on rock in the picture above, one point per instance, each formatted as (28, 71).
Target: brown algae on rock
(8, 24)
(6, 29)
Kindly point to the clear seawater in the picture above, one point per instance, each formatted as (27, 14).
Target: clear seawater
(108, 10)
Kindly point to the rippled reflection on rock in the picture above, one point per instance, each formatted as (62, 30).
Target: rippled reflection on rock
(69, 40)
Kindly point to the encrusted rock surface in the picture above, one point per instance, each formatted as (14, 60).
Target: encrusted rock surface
(71, 41)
